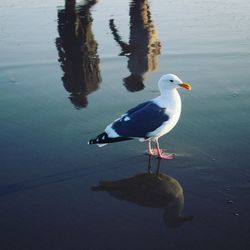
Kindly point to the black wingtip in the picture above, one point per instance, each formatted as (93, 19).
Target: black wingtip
(100, 139)
(103, 139)
(91, 141)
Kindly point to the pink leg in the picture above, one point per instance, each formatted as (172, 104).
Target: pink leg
(149, 148)
(162, 155)
(152, 151)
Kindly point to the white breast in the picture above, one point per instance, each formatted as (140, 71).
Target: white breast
(172, 102)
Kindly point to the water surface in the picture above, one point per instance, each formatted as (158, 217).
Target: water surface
(67, 71)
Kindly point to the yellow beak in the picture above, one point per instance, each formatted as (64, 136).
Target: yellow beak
(185, 85)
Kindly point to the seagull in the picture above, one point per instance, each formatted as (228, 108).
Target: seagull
(149, 120)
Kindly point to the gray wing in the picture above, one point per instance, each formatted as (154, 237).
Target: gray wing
(141, 120)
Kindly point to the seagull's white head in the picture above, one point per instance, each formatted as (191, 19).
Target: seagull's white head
(171, 82)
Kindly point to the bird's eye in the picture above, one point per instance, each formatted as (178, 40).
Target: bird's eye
(171, 80)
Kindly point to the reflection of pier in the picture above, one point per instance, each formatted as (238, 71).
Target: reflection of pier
(154, 190)
(143, 47)
(77, 52)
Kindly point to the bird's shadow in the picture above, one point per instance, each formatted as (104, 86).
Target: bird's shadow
(150, 189)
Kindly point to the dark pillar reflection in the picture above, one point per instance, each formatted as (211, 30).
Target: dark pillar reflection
(154, 190)
(143, 47)
(77, 52)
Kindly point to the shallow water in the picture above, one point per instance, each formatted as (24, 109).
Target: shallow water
(66, 73)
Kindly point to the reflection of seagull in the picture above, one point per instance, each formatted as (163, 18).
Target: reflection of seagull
(149, 120)
(155, 190)
(143, 47)
(77, 50)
